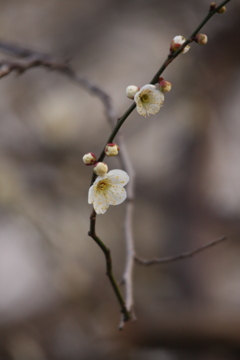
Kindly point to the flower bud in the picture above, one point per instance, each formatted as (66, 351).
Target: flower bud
(100, 168)
(222, 10)
(164, 86)
(111, 149)
(212, 5)
(177, 42)
(131, 90)
(89, 159)
(201, 39)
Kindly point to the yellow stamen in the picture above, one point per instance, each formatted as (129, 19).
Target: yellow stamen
(145, 98)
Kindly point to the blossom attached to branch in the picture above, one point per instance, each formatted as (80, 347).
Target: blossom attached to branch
(177, 42)
(100, 168)
(148, 100)
(89, 159)
(112, 149)
(131, 90)
(108, 190)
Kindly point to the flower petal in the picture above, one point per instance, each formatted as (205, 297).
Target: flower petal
(156, 97)
(91, 195)
(141, 110)
(100, 203)
(148, 87)
(118, 177)
(116, 195)
(152, 109)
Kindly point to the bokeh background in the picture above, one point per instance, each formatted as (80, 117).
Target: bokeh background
(55, 300)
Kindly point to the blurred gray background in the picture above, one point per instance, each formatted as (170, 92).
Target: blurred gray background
(55, 300)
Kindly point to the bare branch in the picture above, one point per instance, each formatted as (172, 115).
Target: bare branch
(178, 257)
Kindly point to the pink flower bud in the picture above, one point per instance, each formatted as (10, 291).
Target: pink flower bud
(100, 168)
(89, 159)
(111, 149)
(164, 86)
(131, 90)
(201, 39)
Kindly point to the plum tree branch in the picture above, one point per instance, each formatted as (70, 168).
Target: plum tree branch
(30, 59)
(181, 256)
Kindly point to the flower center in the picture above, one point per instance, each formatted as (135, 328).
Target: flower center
(102, 185)
(145, 98)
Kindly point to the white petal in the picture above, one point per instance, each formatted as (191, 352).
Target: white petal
(186, 49)
(141, 110)
(148, 86)
(118, 177)
(179, 39)
(100, 203)
(91, 195)
(137, 97)
(116, 195)
(152, 109)
(156, 97)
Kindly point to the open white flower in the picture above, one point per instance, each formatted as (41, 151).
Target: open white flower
(108, 190)
(148, 100)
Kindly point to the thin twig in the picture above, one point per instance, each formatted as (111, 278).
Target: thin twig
(182, 256)
(107, 253)
(170, 58)
(126, 164)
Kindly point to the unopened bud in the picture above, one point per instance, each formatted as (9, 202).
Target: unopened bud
(89, 159)
(222, 10)
(201, 39)
(212, 5)
(164, 86)
(131, 90)
(176, 42)
(111, 149)
(100, 168)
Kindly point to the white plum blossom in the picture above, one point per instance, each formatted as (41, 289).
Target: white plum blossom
(148, 100)
(108, 190)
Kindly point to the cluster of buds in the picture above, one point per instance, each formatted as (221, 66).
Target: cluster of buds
(213, 6)
(101, 168)
(177, 42)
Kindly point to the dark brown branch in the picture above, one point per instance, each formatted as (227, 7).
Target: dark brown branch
(185, 255)
(109, 272)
